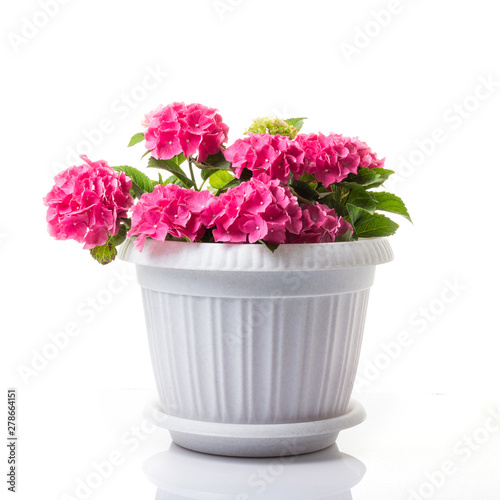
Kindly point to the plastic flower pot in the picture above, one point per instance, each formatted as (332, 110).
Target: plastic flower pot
(255, 353)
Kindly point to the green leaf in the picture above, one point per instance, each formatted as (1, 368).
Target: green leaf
(172, 167)
(308, 178)
(296, 122)
(121, 236)
(139, 137)
(270, 246)
(220, 178)
(389, 202)
(229, 185)
(178, 160)
(145, 154)
(361, 198)
(141, 183)
(173, 179)
(305, 190)
(205, 174)
(355, 213)
(104, 254)
(216, 161)
(375, 225)
(347, 236)
(372, 177)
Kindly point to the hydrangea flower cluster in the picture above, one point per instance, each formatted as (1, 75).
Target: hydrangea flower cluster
(253, 211)
(367, 158)
(87, 203)
(189, 129)
(170, 210)
(332, 158)
(320, 224)
(276, 156)
(273, 126)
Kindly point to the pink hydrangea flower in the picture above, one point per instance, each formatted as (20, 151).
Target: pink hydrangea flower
(275, 156)
(367, 158)
(332, 158)
(253, 211)
(189, 129)
(149, 116)
(320, 224)
(169, 209)
(87, 202)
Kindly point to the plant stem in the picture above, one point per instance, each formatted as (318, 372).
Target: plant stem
(300, 198)
(192, 173)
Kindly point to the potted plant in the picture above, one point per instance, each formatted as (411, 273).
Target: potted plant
(255, 262)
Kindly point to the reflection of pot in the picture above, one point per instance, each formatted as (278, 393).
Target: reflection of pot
(254, 353)
(324, 475)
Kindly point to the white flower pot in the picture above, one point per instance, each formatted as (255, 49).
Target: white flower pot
(255, 353)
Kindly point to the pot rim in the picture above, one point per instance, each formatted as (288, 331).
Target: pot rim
(243, 257)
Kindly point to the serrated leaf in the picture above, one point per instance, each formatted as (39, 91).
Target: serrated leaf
(172, 167)
(104, 254)
(139, 137)
(389, 202)
(375, 225)
(355, 213)
(369, 177)
(298, 123)
(361, 198)
(141, 183)
(220, 178)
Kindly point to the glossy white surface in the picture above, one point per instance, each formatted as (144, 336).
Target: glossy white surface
(179, 473)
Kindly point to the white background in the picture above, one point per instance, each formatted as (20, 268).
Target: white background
(407, 77)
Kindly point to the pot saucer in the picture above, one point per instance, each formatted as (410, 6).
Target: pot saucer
(259, 440)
